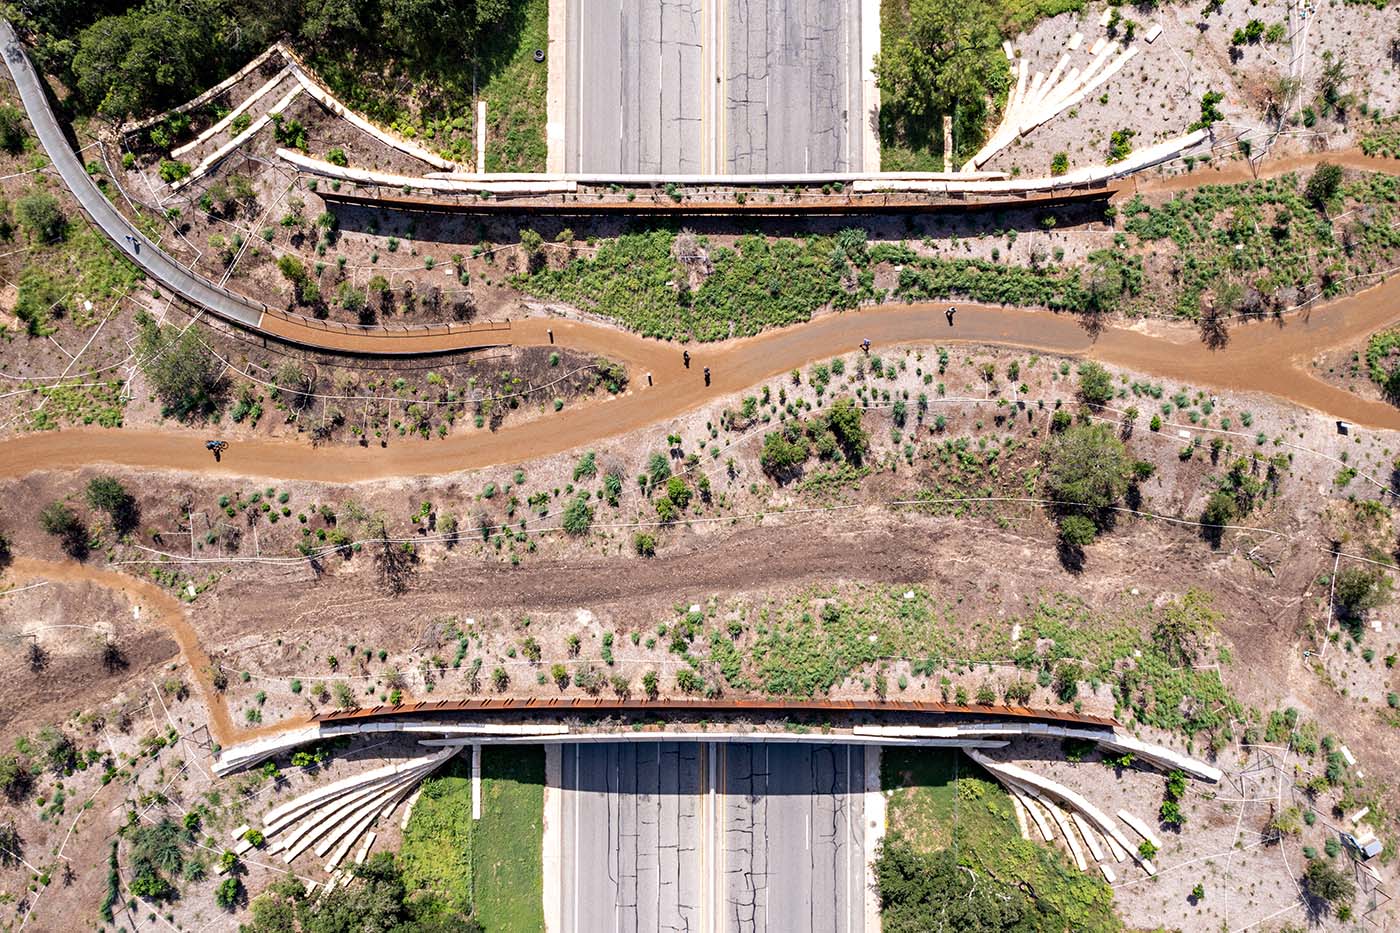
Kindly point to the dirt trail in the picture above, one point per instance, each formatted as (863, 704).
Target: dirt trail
(158, 608)
(1266, 357)
(1241, 170)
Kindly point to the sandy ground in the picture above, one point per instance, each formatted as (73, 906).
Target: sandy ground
(280, 623)
(1157, 94)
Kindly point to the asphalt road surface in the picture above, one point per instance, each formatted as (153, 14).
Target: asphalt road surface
(640, 97)
(631, 836)
(713, 836)
(792, 86)
(794, 854)
(634, 100)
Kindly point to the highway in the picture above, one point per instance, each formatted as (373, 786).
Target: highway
(792, 87)
(634, 93)
(714, 836)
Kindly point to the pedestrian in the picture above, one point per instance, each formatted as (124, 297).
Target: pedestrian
(550, 332)
(865, 345)
(951, 311)
(707, 375)
(686, 357)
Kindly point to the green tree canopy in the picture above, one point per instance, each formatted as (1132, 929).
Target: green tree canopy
(109, 495)
(1095, 384)
(947, 61)
(1087, 469)
(187, 376)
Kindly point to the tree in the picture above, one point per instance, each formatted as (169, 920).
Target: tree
(113, 658)
(187, 376)
(915, 888)
(1360, 589)
(1095, 384)
(1086, 470)
(107, 494)
(13, 133)
(783, 453)
(149, 56)
(1323, 184)
(63, 523)
(56, 750)
(41, 214)
(1327, 884)
(845, 422)
(15, 778)
(946, 60)
(1220, 510)
(396, 560)
(11, 845)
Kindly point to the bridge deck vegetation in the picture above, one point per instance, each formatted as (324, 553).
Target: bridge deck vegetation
(948, 819)
(825, 637)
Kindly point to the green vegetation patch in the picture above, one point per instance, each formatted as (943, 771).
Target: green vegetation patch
(489, 867)
(941, 57)
(1381, 363)
(515, 97)
(806, 645)
(761, 283)
(1256, 246)
(1382, 138)
(948, 819)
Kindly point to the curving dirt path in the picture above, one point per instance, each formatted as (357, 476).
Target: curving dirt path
(1265, 357)
(161, 609)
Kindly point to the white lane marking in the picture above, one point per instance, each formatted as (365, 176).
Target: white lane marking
(848, 837)
(577, 807)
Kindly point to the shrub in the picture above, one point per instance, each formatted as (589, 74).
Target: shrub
(40, 213)
(578, 516)
(336, 156)
(1078, 531)
(63, 523)
(228, 893)
(1360, 589)
(644, 544)
(1326, 883)
(109, 495)
(1120, 145)
(172, 170)
(1095, 384)
(1059, 164)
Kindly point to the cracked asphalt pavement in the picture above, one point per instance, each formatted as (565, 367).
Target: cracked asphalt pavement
(713, 836)
(634, 98)
(642, 93)
(792, 87)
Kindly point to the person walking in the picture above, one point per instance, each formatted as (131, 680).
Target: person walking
(951, 311)
(865, 345)
(707, 375)
(686, 357)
